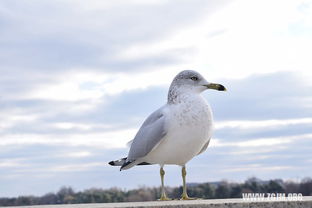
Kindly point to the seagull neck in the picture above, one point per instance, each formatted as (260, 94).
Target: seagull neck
(177, 94)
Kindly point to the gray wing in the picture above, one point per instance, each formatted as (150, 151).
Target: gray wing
(149, 135)
(204, 147)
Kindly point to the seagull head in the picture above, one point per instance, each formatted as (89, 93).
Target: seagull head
(190, 80)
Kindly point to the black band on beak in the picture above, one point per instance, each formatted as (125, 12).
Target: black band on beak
(221, 88)
(215, 86)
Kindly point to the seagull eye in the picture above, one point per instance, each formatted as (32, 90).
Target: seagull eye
(194, 78)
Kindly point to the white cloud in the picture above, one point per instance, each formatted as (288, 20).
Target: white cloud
(52, 169)
(10, 119)
(75, 168)
(12, 163)
(95, 5)
(78, 154)
(66, 87)
(74, 87)
(262, 124)
(249, 38)
(109, 139)
(253, 150)
(234, 42)
(256, 168)
(71, 125)
(263, 142)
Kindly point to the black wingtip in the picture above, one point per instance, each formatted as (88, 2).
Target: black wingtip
(112, 163)
(125, 164)
(121, 168)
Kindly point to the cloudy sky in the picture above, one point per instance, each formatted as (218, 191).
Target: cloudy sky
(77, 79)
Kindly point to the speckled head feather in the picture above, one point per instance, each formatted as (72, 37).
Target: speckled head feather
(187, 80)
(185, 77)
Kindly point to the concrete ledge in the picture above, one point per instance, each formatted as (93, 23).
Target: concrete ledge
(212, 203)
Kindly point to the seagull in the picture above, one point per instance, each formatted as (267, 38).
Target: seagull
(176, 132)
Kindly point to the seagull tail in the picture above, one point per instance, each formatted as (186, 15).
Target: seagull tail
(119, 162)
(126, 164)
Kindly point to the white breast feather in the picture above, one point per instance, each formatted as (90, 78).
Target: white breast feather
(190, 129)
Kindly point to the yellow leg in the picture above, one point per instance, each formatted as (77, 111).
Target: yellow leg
(184, 193)
(163, 196)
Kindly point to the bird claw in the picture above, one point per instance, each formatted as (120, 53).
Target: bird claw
(186, 197)
(164, 198)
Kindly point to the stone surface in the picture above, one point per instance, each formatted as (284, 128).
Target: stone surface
(212, 203)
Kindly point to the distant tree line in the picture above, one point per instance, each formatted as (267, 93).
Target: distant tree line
(224, 189)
